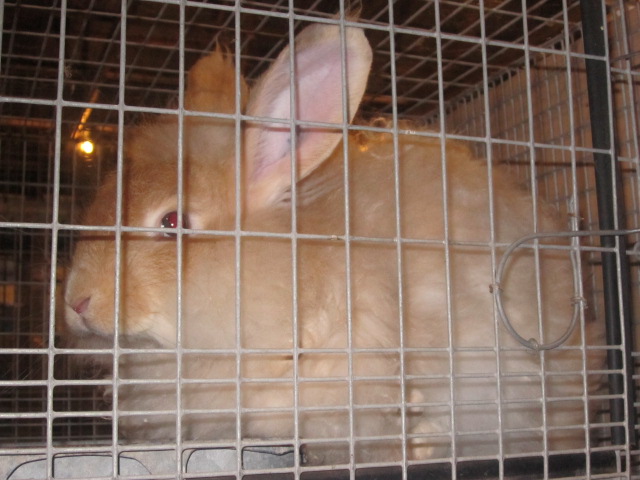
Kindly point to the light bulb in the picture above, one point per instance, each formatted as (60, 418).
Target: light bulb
(86, 147)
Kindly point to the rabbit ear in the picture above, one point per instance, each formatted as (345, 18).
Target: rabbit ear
(211, 84)
(318, 98)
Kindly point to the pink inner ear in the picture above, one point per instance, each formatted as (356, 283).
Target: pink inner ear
(318, 99)
(274, 144)
(319, 84)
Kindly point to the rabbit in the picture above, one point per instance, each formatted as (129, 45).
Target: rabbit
(350, 310)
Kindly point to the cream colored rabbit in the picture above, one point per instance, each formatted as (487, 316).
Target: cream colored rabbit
(377, 326)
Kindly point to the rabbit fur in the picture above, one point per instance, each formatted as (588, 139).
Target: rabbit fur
(353, 357)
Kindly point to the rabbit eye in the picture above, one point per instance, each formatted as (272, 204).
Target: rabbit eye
(170, 220)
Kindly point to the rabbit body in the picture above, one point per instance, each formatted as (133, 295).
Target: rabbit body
(371, 337)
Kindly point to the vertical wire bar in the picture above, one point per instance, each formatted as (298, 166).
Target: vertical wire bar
(118, 235)
(54, 240)
(536, 226)
(398, 227)
(293, 104)
(237, 237)
(51, 196)
(615, 265)
(179, 236)
(446, 240)
(575, 226)
(347, 256)
(492, 226)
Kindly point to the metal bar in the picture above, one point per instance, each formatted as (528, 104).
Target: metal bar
(615, 265)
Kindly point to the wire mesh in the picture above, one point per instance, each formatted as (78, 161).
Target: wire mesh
(505, 76)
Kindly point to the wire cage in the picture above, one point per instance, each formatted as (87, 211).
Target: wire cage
(543, 91)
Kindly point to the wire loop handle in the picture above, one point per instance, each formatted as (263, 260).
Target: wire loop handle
(578, 300)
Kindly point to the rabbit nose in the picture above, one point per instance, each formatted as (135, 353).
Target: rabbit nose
(81, 306)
